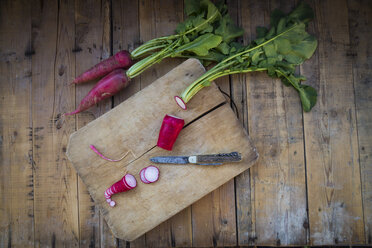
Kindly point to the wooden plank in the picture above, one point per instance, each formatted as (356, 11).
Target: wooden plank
(167, 197)
(241, 11)
(360, 19)
(125, 37)
(278, 193)
(213, 217)
(92, 20)
(107, 239)
(53, 66)
(16, 157)
(244, 208)
(177, 230)
(164, 16)
(333, 173)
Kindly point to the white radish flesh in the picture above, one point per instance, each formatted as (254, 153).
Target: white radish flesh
(149, 174)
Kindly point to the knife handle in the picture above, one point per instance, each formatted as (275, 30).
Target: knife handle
(222, 157)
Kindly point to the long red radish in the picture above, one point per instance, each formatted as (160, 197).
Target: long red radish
(106, 158)
(105, 88)
(128, 182)
(149, 174)
(121, 59)
(169, 131)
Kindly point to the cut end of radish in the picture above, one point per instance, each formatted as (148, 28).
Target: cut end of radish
(175, 117)
(142, 176)
(149, 174)
(180, 102)
(112, 204)
(130, 180)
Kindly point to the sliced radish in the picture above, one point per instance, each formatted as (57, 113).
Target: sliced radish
(142, 176)
(180, 102)
(149, 174)
(128, 182)
(170, 128)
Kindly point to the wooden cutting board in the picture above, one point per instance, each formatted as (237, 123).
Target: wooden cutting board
(210, 127)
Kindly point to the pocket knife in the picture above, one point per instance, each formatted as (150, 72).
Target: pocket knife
(210, 159)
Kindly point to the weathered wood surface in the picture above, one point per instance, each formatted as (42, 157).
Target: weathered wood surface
(61, 212)
(16, 156)
(331, 145)
(92, 44)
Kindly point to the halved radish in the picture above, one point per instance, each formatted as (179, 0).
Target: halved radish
(170, 128)
(128, 182)
(149, 174)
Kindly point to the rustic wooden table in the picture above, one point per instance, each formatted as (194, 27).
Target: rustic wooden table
(312, 184)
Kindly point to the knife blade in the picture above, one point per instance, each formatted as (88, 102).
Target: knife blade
(210, 159)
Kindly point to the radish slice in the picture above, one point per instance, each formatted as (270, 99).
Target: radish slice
(142, 176)
(180, 102)
(105, 158)
(149, 174)
(128, 182)
(170, 128)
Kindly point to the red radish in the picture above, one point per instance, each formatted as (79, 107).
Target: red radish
(170, 128)
(105, 88)
(106, 158)
(121, 59)
(149, 174)
(128, 182)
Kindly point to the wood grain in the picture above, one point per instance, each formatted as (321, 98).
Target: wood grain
(92, 44)
(243, 188)
(213, 218)
(279, 192)
(333, 172)
(126, 36)
(53, 66)
(16, 156)
(360, 18)
(156, 20)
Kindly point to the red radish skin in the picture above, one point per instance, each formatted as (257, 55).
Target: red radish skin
(128, 182)
(149, 174)
(105, 88)
(121, 59)
(169, 131)
(106, 158)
